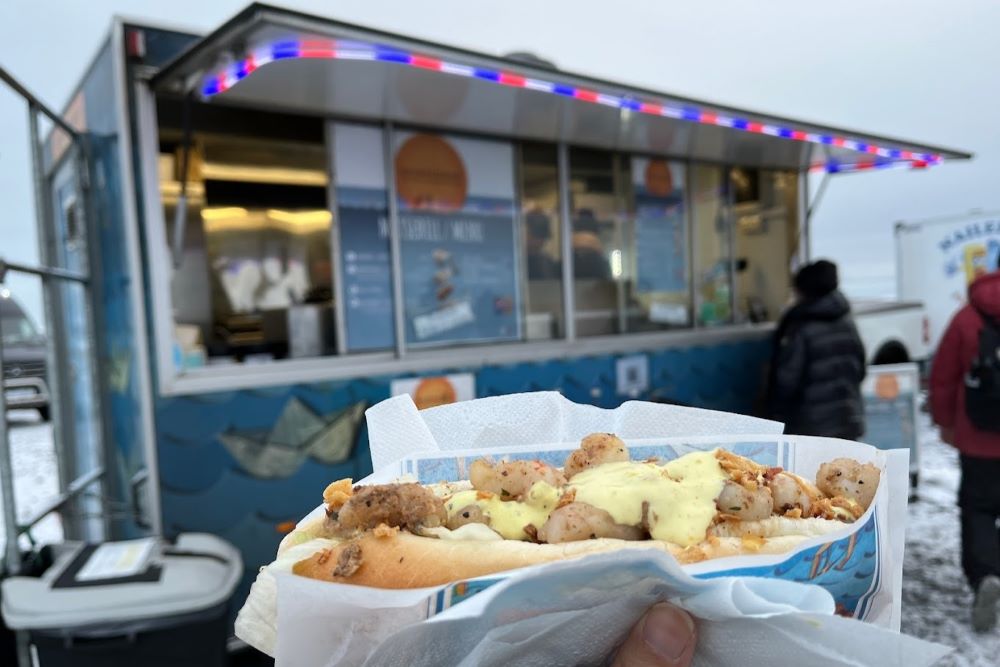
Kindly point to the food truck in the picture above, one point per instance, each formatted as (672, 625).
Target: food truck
(292, 218)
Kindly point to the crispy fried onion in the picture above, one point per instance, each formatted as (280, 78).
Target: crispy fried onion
(743, 471)
(337, 493)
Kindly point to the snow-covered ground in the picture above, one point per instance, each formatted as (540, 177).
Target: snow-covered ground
(936, 599)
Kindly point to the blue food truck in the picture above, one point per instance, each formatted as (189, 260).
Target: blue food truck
(256, 234)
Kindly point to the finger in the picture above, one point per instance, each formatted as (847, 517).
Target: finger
(664, 637)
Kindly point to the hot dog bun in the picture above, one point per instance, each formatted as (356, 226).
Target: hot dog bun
(399, 559)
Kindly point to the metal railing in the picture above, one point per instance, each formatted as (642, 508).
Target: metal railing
(73, 489)
(12, 528)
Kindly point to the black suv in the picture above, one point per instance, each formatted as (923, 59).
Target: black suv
(24, 379)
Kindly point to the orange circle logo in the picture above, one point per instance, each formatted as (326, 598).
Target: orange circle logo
(434, 391)
(659, 180)
(430, 173)
(887, 387)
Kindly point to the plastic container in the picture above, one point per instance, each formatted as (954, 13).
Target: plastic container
(173, 612)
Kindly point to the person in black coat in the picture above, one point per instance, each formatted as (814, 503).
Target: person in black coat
(818, 361)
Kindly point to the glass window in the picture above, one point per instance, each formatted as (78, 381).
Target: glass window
(630, 243)
(598, 262)
(542, 240)
(656, 266)
(713, 262)
(766, 228)
(458, 245)
(252, 279)
(363, 234)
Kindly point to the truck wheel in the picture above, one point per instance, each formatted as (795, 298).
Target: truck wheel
(891, 353)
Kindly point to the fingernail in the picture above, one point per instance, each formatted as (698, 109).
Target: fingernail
(667, 631)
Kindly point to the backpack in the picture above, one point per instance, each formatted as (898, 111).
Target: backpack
(982, 382)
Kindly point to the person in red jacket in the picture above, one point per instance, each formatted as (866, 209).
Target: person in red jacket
(979, 492)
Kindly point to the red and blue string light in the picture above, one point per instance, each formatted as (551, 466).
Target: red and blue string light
(883, 157)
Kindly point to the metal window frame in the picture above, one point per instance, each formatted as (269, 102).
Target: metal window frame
(395, 244)
(692, 246)
(804, 214)
(566, 242)
(562, 214)
(339, 310)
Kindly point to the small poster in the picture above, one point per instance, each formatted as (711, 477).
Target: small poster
(428, 392)
(366, 268)
(890, 394)
(660, 226)
(362, 222)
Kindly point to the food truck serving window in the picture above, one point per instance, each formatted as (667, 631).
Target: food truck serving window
(253, 280)
(765, 230)
(288, 248)
(630, 243)
(713, 255)
(541, 233)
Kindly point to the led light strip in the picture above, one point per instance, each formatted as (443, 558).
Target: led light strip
(344, 50)
(850, 167)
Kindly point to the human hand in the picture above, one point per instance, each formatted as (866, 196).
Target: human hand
(664, 637)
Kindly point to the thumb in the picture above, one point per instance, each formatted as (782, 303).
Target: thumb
(664, 637)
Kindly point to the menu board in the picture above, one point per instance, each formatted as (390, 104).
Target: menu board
(458, 276)
(363, 227)
(457, 239)
(660, 226)
(366, 268)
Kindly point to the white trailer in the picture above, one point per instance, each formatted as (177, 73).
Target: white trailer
(936, 259)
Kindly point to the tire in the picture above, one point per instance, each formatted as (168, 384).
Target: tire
(45, 413)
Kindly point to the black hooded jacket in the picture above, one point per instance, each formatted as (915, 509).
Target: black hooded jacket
(816, 370)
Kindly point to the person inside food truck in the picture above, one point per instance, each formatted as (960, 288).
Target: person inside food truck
(589, 260)
(538, 232)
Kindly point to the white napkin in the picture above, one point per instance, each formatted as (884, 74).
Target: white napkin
(396, 428)
(578, 613)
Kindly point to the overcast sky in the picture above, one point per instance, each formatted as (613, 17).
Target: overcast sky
(918, 69)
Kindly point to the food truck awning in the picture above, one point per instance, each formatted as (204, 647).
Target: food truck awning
(281, 59)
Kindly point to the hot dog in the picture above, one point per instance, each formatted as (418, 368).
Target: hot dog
(512, 514)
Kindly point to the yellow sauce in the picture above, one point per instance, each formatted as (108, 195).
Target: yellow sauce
(509, 517)
(681, 497)
(681, 494)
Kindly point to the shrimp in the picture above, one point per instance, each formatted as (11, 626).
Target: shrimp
(849, 479)
(580, 521)
(512, 479)
(399, 505)
(744, 504)
(790, 493)
(468, 514)
(595, 449)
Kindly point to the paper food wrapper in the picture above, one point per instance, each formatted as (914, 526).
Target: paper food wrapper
(834, 600)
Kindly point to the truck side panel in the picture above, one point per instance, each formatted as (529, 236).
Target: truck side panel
(226, 468)
(937, 260)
